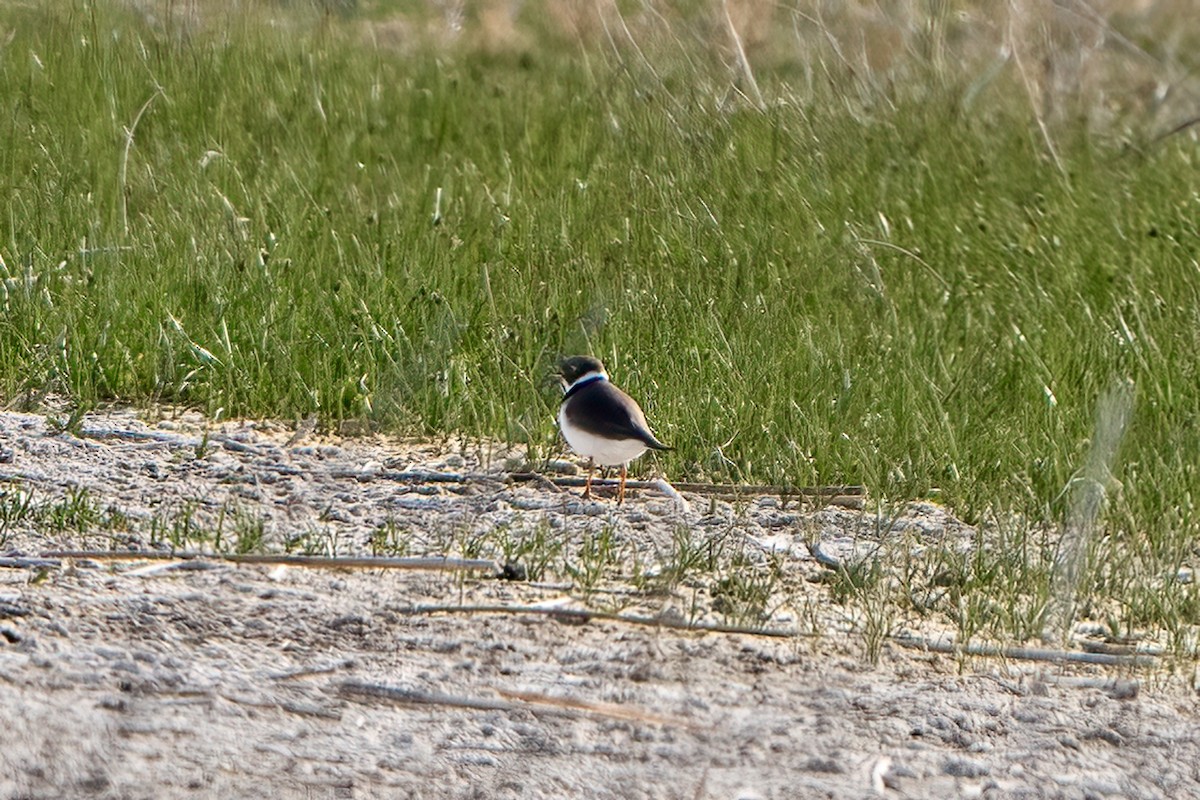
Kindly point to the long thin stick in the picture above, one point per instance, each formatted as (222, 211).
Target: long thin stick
(336, 562)
(317, 669)
(29, 563)
(514, 701)
(1025, 653)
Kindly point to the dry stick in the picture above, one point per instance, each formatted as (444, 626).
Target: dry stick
(1117, 688)
(532, 702)
(29, 563)
(304, 672)
(338, 562)
(1116, 648)
(585, 615)
(1180, 128)
(1025, 653)
(352, 562)
(193, 565)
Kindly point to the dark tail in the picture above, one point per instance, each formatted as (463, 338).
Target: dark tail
(654, 444)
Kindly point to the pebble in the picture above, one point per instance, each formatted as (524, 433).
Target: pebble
(965, 767)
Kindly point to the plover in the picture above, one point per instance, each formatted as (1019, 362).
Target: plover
(600, 421)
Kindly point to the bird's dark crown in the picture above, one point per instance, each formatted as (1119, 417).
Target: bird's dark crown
(573, 368)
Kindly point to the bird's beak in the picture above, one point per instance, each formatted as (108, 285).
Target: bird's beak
(553, 377)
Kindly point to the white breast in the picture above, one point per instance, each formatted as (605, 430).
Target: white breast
(606, 452)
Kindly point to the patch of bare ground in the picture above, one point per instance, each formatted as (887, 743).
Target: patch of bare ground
(204, 677)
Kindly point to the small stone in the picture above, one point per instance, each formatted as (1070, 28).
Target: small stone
(9, 610)
(560, 466)
(746, 793)
(828, 765)
(965, 768)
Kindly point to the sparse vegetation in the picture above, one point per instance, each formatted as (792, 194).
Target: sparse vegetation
(390, 539)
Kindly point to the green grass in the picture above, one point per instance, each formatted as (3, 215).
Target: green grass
(883, 280)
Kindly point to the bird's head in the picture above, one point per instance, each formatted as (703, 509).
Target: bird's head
(573, 368)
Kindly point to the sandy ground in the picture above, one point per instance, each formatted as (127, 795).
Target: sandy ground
(162, 679)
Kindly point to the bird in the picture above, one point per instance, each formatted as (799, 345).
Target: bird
(600, 421)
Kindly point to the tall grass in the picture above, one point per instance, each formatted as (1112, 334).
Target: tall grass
(917, 274)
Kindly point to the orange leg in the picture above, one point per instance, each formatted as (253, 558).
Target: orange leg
(621, 493)
(587, 488)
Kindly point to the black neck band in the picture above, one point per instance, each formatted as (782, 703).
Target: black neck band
(580, 384)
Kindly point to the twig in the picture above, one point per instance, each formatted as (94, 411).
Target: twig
(1025, 653)
(29, 563)
(357, 562)
(1116, 688)
(532, 702)
(585, 615)
(335, 562)
(1120, 649)
(1180, 128)
(304, 672)
(193, 565)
